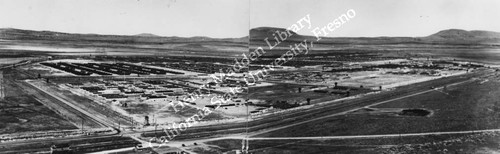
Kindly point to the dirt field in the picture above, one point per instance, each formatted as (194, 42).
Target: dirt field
(458, 143)
(10, 61)
(161, 111)
(36, 69)
(158, 111)
(97, 110)
(20, 112)
(469, 106)
(82, 145)
(374, 79)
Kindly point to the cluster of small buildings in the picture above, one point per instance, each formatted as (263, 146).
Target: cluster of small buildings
(415, 72)
(430, 68)
(342, 71)
(123, 90)
(426, 64)
(306, 77)
(347, 68)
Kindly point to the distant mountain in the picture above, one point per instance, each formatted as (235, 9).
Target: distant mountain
(241, 39)
(263, 32)
(257, 36)
(147, 35)
(451, 36)
(19, 34)
(451, 39)
(463, 34)
(465, 37)
(138, 44)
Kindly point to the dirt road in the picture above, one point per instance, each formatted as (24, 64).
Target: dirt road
(2, 93)
(101, 120)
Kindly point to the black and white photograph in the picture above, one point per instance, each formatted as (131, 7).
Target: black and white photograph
(249, 76)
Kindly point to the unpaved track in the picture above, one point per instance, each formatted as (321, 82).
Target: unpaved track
(2, 93)
(368, 136)
(100, 119)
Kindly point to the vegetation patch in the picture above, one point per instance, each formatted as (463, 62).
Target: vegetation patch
(415, 112)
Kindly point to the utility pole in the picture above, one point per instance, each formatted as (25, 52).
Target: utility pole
(245, 144)
(82, 123)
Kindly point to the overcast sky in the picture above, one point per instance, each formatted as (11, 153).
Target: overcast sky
(213, 18)
(233, 18)
(381, 17)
